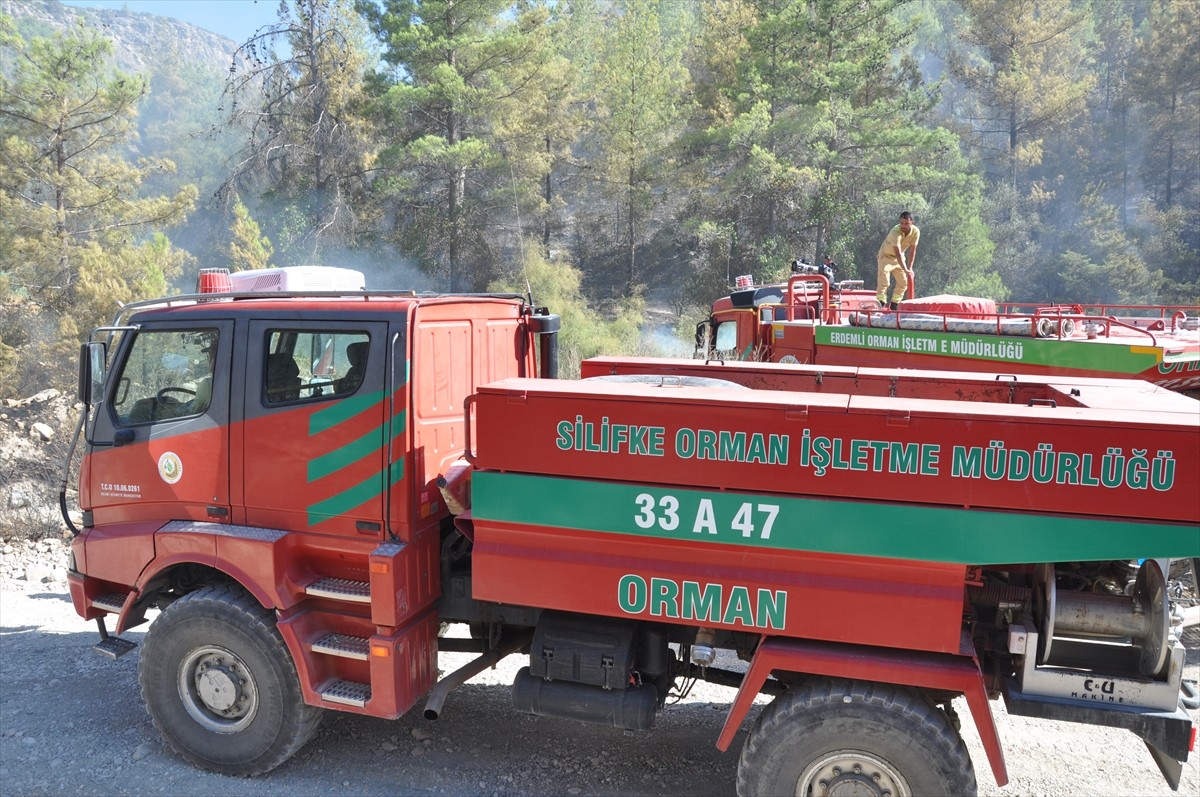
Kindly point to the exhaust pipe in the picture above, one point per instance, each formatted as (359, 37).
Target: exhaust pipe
(546, 327)
(437, 695)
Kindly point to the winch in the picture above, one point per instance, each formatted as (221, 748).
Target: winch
(1095, 645)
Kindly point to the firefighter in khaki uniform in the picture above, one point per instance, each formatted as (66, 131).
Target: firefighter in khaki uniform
(892, 263)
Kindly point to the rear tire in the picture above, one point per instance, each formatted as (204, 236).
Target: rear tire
(220, 684)
(831, 737)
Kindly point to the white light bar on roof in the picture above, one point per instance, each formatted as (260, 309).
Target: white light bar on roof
(297, 279)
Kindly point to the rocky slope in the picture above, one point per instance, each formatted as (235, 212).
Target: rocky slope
(140, 40)
(35, 433)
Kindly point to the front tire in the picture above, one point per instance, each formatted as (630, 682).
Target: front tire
(220, 684)
(834, 737)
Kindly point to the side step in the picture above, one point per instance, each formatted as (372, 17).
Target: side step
(344, 645)
(349, 693)
(111, 603)
(114, 647)
(111, 646)
(340, 589)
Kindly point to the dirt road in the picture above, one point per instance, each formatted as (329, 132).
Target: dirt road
(72, 722)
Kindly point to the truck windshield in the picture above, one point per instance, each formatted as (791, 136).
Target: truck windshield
(168, 374)
(726, 342)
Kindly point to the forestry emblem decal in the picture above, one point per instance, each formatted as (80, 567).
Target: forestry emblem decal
(170, 467)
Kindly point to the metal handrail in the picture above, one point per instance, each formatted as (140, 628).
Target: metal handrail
(203, 298)
(796, 279)
(894, 316)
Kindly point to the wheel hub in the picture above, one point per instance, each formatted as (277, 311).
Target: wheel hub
(218, 689)
(851, 773)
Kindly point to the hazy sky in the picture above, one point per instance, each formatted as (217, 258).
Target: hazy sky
(235, 19)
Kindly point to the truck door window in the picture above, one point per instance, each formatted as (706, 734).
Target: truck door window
(303, 365)
(168, 374)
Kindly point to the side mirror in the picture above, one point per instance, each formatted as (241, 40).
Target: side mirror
(92, 358)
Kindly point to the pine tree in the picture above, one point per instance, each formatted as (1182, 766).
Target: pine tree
(1031, 77)
(1167, 84)
(1027, 66)
(70, 215)
(462, 73)
(641, 96)
(824, 137)
(310, 146)
(248, 247)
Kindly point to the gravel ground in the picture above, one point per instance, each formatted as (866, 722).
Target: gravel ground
(72, 722)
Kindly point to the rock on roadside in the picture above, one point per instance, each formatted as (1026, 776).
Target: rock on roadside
(35, 562)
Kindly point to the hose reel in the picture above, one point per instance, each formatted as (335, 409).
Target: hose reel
(1144, 617)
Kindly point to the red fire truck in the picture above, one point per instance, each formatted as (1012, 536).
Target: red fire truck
(308, 485)
(811, 319)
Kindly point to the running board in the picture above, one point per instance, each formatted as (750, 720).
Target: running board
(114, 647)
(348, 693)
(112, 603)
(344, 645)
(111, 646)
(340, 589)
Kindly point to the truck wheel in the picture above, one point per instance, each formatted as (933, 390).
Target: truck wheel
(834, 737)
(220, 684)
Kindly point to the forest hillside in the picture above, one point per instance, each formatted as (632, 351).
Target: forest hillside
(610, 155)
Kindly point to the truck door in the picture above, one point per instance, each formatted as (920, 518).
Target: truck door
(160, 442)
(314, 438)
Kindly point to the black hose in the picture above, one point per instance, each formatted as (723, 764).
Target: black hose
(66, 477)
(1190, 695)
(62, 505)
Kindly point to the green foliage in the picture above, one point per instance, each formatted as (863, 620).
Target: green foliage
(248, 247)
(450, 111)
(1117, 280)
(956, 253)
(1029, 67)
(823, 139)
(585, 332)
(1167, 239)
(1100, 263)
(176, 120)
(1166, 75)
(1049, 149)
(70, 215)
(639, 94)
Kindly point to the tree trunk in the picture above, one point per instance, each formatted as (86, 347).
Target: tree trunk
(1171, 149)
(632, 242)
(1012, 144)
(548, 196)
(60, 210)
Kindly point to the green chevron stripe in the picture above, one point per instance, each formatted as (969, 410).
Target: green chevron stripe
(346, 500)
(344, 456)
(341, 411)
(371, 443)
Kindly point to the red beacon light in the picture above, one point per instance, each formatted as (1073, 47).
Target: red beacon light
(294, 279)
(214, 280)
